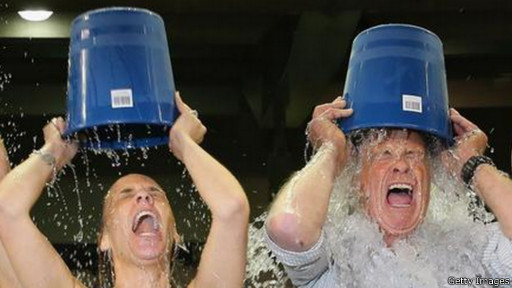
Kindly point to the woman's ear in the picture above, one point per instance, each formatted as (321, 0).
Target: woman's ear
(104, 242)
(176, 237)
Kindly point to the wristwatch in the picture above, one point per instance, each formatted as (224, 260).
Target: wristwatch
(50, 160)
(468, 169)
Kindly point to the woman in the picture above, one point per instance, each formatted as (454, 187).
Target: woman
(138, 226)
(7, 276)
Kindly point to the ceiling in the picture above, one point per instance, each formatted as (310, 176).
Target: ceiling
(254, 70)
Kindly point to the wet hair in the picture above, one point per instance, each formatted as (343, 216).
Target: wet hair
(106, 276)
(433, 144)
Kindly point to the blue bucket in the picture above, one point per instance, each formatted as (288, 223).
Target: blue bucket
(396, 79)
(120, 82)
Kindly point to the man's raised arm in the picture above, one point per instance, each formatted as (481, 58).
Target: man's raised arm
(298, 214)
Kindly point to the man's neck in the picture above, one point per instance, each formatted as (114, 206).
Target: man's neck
(142, 276)
(390, 239)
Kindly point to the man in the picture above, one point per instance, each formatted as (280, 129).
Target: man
(137, 235)
(392, 179)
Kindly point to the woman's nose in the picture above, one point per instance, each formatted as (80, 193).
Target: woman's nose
(144, 197)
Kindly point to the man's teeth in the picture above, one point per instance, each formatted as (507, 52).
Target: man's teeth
(401, 186)
(400, 189)
(400, 205)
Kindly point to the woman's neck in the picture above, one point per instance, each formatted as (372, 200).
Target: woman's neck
(142, 276)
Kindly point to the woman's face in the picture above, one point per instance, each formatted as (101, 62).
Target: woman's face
(139, 225)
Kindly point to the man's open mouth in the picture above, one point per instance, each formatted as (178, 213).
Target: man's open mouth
(400, 195)
(145, 223)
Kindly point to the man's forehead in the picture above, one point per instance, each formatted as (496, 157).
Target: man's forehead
(383, 135)
(394, 138)
(406, 136)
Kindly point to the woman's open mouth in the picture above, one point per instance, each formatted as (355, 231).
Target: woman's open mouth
(146, 224)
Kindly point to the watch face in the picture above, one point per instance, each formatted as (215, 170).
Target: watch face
(48, 158)
(469, 168)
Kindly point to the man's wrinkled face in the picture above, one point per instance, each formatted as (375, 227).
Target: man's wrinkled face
(139, 220)
(395, 181)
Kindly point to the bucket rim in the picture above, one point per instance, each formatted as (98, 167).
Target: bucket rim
(74, 129)
(115, 8)
(397, 25)
(442, 135)
(125, 145)
(120, 143)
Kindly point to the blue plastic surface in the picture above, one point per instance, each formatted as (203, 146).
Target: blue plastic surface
(396, 78)
(120, 82)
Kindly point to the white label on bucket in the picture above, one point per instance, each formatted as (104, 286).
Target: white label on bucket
(84, 33)
(411, 103)
(121, 98)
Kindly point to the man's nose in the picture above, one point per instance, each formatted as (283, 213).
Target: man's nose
(143, 197)
(401, 165)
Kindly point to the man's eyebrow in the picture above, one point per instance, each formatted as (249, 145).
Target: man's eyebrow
(417, 149)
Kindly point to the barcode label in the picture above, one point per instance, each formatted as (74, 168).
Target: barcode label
(411, 103)
(84, 33)
(121, 98)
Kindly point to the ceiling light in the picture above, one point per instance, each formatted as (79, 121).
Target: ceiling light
(35, 15)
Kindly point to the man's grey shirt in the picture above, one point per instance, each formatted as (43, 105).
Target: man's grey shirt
(315, 267)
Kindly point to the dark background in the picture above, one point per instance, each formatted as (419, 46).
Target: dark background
(254, 70)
